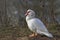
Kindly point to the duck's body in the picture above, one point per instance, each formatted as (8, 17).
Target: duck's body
(36, 25)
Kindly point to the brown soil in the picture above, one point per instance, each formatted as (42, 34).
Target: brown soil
(38, 38)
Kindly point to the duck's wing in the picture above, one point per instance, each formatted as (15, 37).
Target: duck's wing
(40, 27)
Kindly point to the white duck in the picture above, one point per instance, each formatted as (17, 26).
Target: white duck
(35, 24)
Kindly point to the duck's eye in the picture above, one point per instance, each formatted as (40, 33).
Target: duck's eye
(31, 15)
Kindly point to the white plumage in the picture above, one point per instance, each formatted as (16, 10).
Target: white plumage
(35, 24)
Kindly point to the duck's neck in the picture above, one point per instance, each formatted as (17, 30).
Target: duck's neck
(28, 18)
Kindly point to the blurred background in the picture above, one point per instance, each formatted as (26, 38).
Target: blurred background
(12, 18)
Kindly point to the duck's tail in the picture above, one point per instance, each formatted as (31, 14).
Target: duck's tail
(48, 35)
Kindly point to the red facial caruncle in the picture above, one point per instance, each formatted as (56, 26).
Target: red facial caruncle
(27, 13)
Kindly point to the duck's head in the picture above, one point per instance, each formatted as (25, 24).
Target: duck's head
(30, 14)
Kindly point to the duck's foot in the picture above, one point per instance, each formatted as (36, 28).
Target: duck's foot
(33, 35)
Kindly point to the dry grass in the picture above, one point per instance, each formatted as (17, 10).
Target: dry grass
(21, 33)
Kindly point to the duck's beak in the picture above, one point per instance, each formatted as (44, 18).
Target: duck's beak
(27, 13)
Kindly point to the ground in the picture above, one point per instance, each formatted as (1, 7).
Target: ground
(23, 32)
(27, 38)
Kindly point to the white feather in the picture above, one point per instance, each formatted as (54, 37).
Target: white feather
(37, 26)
